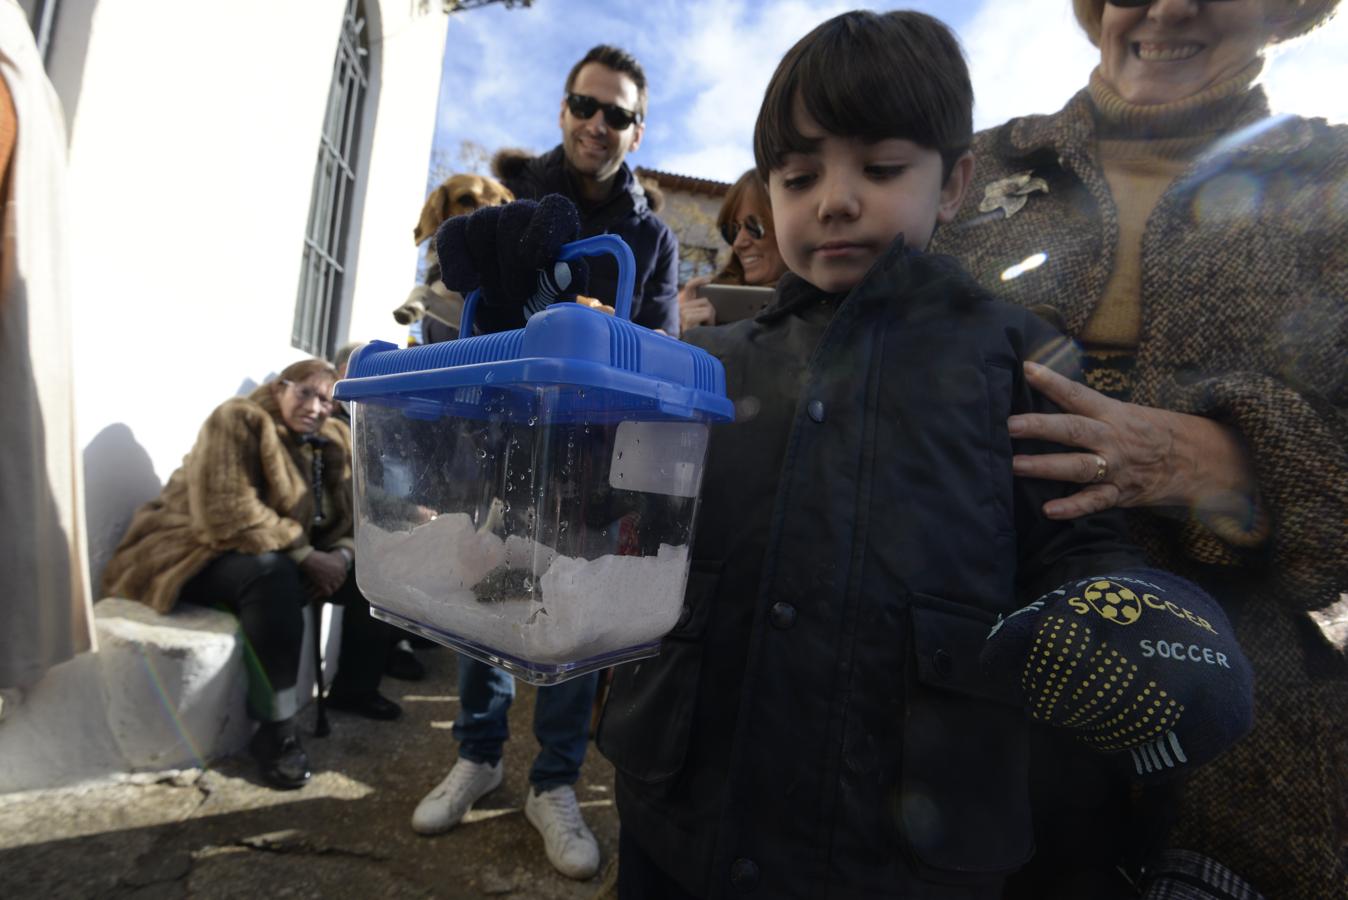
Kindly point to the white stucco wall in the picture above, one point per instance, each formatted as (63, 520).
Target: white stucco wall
(194, 129)
(399, 159)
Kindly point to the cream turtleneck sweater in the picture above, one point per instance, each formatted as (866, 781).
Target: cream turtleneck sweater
(1142, 150)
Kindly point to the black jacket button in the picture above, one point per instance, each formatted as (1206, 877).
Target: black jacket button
(816, 410)
(782, 615)
(744, 875)
(943, 664)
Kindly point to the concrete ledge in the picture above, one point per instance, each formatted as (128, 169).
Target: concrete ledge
(172, 686)
(162, 692)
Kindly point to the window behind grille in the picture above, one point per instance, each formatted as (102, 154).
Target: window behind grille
(326, 253)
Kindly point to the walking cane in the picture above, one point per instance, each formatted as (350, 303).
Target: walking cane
(321, 728)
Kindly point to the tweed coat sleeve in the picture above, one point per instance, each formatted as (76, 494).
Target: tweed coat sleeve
(1261, 345)
(239, 476)
(1298, 443)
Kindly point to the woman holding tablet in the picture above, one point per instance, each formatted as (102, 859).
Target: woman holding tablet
(745, 221)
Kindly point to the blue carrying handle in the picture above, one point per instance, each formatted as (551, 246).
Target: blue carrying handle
(591, 246)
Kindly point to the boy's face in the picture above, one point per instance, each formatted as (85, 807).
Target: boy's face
(840, 206)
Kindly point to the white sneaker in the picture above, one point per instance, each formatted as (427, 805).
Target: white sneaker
(570, 846)
(466, 783)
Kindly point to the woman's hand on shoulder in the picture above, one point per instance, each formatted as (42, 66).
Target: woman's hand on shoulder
(325, 571)
(693, 309)
(1132, 455)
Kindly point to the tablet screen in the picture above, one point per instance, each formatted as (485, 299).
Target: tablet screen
(734, 302)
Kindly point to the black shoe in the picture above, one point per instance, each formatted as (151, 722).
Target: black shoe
(373, 705)
(404, 666)
(280, 758)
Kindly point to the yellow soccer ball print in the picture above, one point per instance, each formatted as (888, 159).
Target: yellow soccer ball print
(1114, 602)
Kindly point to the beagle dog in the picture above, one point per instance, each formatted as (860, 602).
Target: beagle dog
(459, 195)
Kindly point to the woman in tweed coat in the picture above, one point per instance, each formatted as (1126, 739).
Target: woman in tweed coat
(1198, 249)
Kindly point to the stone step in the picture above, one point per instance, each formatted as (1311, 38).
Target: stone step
(161, 692)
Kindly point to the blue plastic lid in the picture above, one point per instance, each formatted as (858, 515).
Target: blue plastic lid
(606, 368)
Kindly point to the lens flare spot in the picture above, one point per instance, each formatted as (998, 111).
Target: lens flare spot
(1308, 359)
(1028, 264)
(1229, 198)
(921, 817)
(1061, 355)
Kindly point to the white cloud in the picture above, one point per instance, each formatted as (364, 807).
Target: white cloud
(709, 62)
(1307, 77)
(506, 69)
(725, 59)
(1030, 57)
(1025, 57)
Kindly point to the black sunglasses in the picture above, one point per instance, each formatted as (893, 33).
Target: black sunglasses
(1134, 4)
(583, 106)
(731, 230)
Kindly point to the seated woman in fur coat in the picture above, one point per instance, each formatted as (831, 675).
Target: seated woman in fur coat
(258, 521)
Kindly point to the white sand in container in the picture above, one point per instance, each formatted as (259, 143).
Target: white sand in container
(580, 607)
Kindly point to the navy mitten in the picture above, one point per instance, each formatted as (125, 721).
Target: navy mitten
(510, 253)
(1143, 662)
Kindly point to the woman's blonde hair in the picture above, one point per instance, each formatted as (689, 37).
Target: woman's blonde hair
(1290, 18)
(750, 187)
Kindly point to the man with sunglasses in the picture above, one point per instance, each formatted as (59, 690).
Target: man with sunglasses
(602, 117)
(602, 114)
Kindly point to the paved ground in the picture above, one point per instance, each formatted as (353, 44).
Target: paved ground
(219, 832)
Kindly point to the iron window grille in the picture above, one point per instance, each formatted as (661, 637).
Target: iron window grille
(326, 253)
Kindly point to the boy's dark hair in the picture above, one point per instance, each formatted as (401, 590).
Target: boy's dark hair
(618, 60)
(873, 76)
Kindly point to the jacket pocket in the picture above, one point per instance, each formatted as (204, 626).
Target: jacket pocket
(644, 730)
(964, 798)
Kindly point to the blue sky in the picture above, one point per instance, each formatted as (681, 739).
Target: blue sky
(708, 62)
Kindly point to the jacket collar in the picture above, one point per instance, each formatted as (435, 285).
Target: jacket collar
(892, 274)
(628, 195)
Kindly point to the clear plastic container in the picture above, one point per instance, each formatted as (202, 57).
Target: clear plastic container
(528, 497)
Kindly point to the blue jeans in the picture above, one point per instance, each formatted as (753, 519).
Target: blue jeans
(561, 721)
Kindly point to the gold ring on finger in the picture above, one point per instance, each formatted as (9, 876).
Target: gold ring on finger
(1101, 469)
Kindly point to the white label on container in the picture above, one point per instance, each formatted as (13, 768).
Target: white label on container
(659, 457)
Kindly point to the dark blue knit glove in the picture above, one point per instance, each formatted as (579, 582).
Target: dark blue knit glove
(1142, 664)
(510, 252)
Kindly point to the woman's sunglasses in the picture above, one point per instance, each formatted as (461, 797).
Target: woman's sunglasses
(731, 230)
(583, 106)
(1134, 4)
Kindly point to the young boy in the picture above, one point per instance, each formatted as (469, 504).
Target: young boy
(819, 725)
(820, 722)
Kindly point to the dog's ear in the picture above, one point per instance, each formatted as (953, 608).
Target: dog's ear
(435, 211)
(497, 193)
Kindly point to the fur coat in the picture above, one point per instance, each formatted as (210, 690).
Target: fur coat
(243, 487)
(1244, 275)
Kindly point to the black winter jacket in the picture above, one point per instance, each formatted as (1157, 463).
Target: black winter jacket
(628, 215)
(817, 725)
